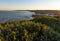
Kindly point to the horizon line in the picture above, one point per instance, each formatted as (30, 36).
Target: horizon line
(28, 9)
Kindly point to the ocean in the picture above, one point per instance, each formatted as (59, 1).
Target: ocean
(15, 15)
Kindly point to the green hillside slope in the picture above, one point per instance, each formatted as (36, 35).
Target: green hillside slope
(38, 29)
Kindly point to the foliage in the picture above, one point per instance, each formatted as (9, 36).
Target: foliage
(38, 29)
(51, 21)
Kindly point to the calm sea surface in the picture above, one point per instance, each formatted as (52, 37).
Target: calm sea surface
(15, 15)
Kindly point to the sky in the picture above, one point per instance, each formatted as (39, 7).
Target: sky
(29, 4)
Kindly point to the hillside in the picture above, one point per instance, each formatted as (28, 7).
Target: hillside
(40, 28)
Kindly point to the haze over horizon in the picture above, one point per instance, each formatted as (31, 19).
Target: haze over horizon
(29, 4)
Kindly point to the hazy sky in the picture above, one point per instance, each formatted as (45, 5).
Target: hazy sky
(29, 4)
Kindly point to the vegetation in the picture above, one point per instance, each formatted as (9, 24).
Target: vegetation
(51, 21)
(39, 29)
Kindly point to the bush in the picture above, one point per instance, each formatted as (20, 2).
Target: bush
(38, 29)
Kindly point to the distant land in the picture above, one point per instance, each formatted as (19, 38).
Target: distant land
(53, 12)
